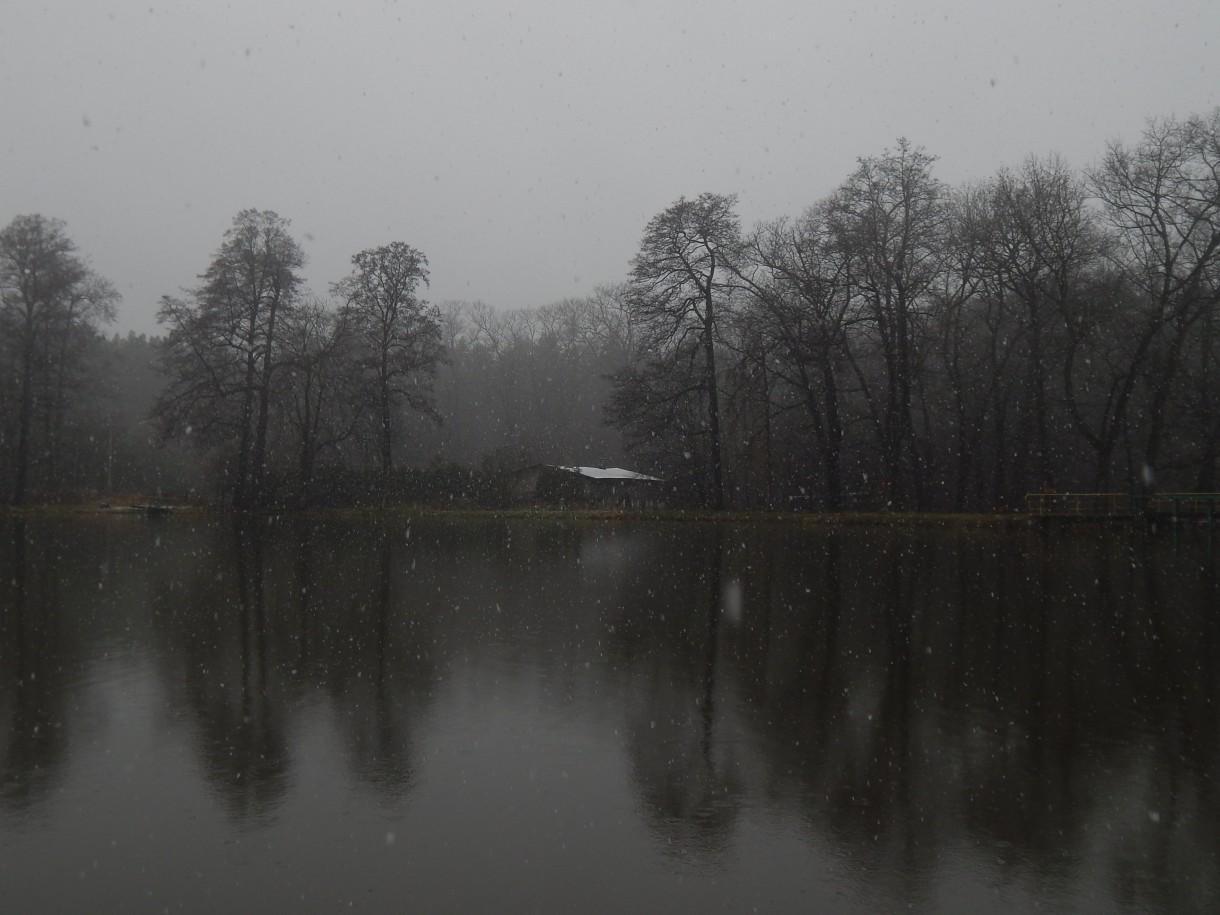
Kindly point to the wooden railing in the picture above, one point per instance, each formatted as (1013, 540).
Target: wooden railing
(1180, 505)
(1079, 505)
(1176, 505)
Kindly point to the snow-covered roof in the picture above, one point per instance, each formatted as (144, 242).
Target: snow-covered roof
(611, 473)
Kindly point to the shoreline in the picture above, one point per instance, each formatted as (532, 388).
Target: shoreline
(810, 519)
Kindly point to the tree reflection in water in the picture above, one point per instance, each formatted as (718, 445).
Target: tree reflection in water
(928, 714)
(688, 781)
(1030, 710)
(227, 676)
(33, 743)
(294, 614)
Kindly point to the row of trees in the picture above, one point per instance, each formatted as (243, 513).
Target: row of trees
(297, 398)
(255, 365)
(906, 344)
(900, 343)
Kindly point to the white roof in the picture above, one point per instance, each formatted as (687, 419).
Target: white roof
(611, 473)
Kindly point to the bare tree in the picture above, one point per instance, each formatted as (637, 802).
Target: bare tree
(801, 312)
(977, 336)
(50, 302)
(1041, 240)
(1162, 199)
(398, 334)
(317, 384)
(888, 222)
(222, 347)
(681, 281)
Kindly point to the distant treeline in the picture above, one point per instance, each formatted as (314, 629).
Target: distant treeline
(898, 344)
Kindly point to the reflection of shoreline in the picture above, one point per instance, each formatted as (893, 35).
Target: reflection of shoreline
(986, 728)
(301, 621)
(37, 656)
(913, 707)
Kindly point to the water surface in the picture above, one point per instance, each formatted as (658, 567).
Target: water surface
(458, 715)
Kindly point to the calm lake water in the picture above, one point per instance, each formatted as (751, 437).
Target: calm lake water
(478, 716)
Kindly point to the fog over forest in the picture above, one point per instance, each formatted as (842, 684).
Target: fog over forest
(900, 343)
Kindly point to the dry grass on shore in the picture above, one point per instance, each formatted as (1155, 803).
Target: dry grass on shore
(136, 504)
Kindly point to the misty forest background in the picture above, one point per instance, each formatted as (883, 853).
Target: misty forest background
(898, 344)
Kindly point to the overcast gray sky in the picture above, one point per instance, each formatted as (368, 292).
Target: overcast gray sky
(523, 146)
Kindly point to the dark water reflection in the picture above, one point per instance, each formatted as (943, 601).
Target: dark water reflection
(494, 716)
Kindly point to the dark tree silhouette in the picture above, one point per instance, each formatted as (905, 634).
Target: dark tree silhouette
(50, 303)
(681, 281)
(398, 334)
(888, 222)
(222, 349)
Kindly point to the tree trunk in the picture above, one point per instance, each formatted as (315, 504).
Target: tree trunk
(243, 492)
(25, 419)
(259, 469)
(385, 403)
(832, 449)
(713, 407)
(1160, 401)
(1045, 466)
